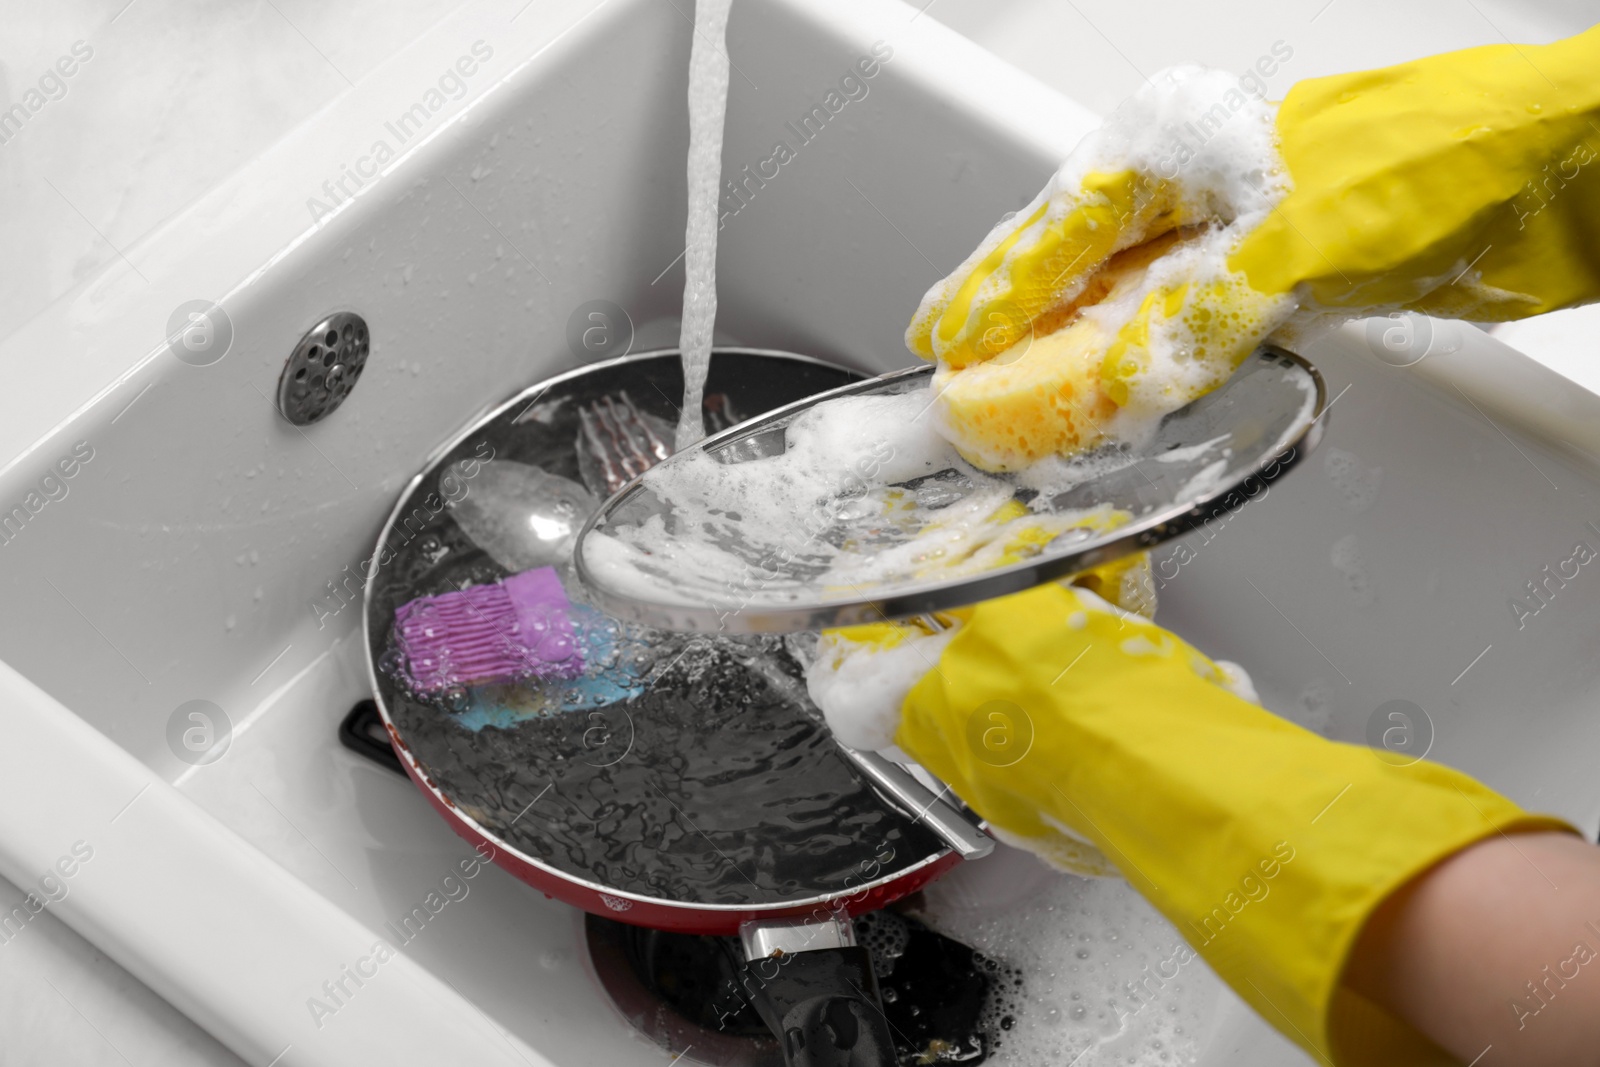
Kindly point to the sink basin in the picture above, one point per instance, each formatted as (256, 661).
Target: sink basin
(172, 548)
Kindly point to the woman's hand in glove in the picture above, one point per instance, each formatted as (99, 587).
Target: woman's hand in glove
(1092, 735)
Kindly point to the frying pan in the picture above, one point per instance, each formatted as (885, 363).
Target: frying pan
(704, 796)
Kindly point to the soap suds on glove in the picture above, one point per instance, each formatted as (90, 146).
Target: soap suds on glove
(861, 695)
(1189, 213)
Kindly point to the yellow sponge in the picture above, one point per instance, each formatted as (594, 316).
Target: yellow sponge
(1009, 412)
(1045, 395)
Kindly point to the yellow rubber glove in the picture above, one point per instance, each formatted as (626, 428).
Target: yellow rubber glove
(865, 671)
(1063, 720)
(1198, 221)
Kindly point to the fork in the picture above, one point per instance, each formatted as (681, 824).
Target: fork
(620, 440)
(625, 445)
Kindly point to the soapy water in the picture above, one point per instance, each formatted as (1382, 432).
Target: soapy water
(866, 493)
(708, 102)
(867, 496)
(1106, 979)
(945, 1003)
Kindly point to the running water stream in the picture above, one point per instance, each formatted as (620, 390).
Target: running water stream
(708, 104)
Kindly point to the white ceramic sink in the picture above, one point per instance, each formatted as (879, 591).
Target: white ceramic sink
(193, 550)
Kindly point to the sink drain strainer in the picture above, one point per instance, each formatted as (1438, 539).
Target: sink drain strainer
(323, 368)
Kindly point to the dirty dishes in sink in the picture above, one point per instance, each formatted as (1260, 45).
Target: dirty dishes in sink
(673, 780)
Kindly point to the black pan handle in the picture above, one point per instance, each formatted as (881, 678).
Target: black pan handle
(363, 733)
(821, 1003)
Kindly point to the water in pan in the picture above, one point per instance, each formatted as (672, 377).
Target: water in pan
(686, 768)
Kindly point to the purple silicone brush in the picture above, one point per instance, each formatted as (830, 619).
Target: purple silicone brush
(515, 628)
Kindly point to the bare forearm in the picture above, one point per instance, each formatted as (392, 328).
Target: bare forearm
(1495, 953)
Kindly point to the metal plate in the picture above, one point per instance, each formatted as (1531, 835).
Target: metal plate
(1207, 458)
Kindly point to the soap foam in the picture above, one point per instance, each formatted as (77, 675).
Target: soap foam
(861, 695)
(831, 514)
(1105, 979)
